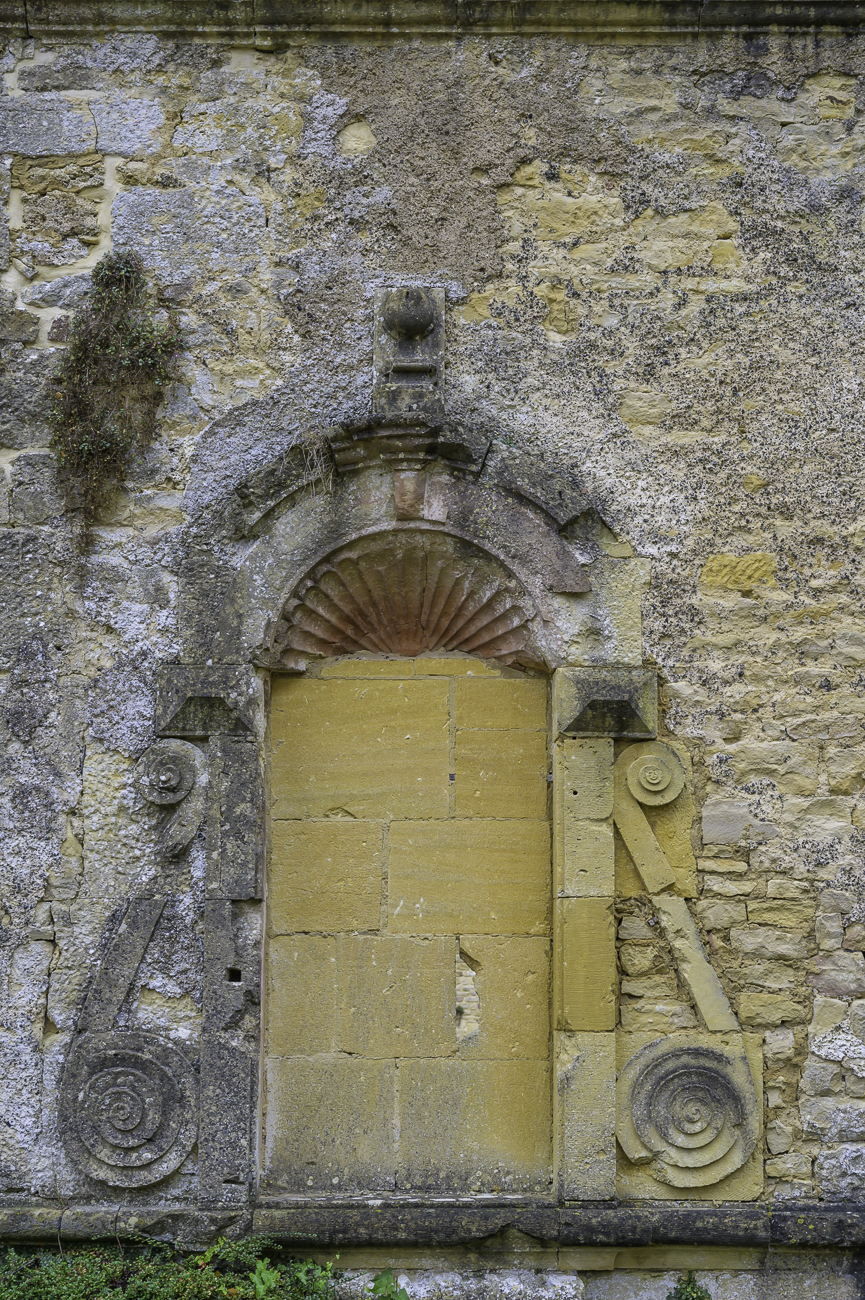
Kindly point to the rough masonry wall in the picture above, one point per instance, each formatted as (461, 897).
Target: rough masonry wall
(652, 260)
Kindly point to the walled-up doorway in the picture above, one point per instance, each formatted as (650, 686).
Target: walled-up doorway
(407, 1041)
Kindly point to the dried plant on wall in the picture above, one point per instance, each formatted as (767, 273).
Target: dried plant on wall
(121, 354)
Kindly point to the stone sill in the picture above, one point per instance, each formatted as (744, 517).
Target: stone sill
(271, 24)
(313, 1226)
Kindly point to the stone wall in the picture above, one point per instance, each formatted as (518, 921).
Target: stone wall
(648, 263)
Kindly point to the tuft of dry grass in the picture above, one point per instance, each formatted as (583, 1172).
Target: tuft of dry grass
(121, 354)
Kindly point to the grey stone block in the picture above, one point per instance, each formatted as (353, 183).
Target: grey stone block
(617, 702)
(44, 125)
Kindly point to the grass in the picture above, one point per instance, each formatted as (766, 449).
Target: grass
(242, 1270)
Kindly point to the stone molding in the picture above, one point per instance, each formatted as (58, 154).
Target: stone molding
(271, 24)
(392, 1223)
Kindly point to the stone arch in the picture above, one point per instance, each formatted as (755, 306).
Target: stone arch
(494, 534)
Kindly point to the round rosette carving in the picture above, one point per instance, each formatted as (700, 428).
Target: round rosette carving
(689, 1112)
(654, 772)
(127, 1107)
(167, 771)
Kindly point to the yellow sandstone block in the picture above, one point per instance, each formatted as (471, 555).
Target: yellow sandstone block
(369, 668)
(585, 1116)
(512, 979)
(589, 858)
(501, 774)
(372, 996)
(366, 748)
(588, 964)
(325, 875)
(471, 875)
(587, 773)
(739, 572)
(329, 1125)
(303, 995)
(455, 666)
(480, 1126)
(503, 704)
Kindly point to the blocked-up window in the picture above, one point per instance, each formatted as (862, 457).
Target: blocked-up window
(408, 918)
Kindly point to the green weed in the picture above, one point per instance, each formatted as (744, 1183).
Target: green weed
(228, 1270)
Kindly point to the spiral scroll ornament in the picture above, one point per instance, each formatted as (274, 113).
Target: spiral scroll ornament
(174, 772)
(127, 1107)
(689, 1112)
(654, 772)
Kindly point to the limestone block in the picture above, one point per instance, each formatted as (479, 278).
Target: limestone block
(770, 1009)
(778, 1047)
(828, 931)
(640, 958)
(512, 980)
(320, 992)
(329, 1125)
(369, 748)
(840, 1172)
(834, 1119)
(40, 125)
(720, 916)
(760, 942)
(129, 127)
(792, 767)
(16, 326)
(661, 1016)
(325, 875)
(259, 125)
(845, 769)
(25, 395)
(589, 858)
(727, 821)
(821, 1078)
(472, 875)
(794, 1164)
(501, 773)
(455, 665)
(634, 927)
(792, 916)
(588, 964)
(67, 291)
(368, 668)
(500, 704)
(649, 986)
(585, 1116)
(839, 974)
(480, 1126)
(181, 233)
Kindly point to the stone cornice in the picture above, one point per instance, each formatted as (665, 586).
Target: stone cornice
(270, 24)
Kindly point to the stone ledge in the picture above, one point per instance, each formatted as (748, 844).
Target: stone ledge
(272, 23)
(313, 1226)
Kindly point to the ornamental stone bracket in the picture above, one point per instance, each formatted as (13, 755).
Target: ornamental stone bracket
(684, 1119)
(133, 1105)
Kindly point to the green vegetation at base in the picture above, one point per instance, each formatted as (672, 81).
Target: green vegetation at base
(688, 1288)
(229, 1270)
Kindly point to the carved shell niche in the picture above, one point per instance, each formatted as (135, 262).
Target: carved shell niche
(403, 594)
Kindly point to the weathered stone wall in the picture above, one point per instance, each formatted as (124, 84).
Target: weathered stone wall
(651, 261)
